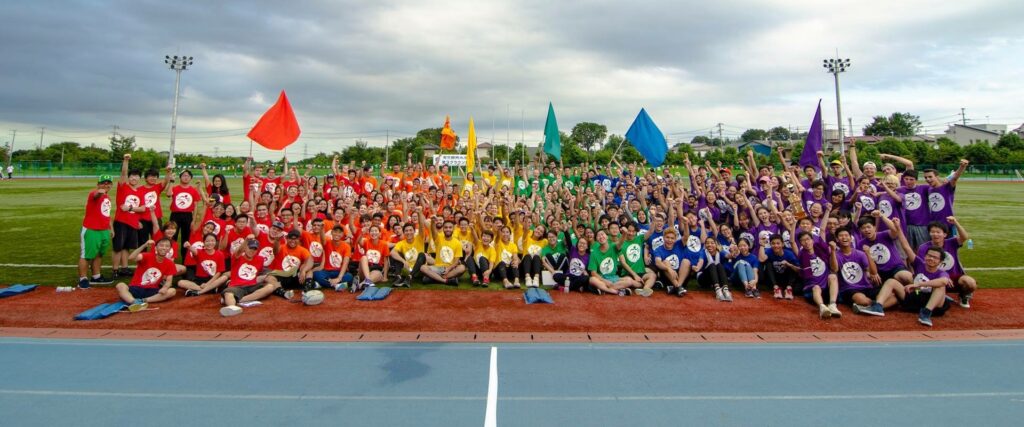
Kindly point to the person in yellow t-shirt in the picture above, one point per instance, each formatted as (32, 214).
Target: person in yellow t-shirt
(447, 264)
(530, 266)
(484, 259)
(508, 259)
(408, 255)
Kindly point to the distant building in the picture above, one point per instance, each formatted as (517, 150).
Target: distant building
(483, 151)
(966, 135)
(1019, 130)
(763, 148)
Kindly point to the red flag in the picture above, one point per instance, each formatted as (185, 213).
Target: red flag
(277, 128)
(447, 135)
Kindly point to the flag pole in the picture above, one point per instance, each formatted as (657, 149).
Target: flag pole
(616, 153)
(250, 148)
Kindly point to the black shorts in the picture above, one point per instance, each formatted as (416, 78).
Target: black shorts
(917, 300)
(889, 274)
(126, 238)
(190, 275)
(241, 291)
(145, 231)
(291, 282)
(142, 293)
(846, 296)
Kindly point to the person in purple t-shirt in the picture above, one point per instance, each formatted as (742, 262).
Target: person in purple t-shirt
(962, 283)
(940, 194)
(818, 282)
(858, 275)
(927, 292)
(915, 208)
(882, 247)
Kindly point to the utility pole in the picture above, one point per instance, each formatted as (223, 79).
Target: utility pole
(850, 120)
(387, 145)
(508, 137)
(10, 147)
(216, 151)
(522, 137)
(720, 140)
(305, 150)
(834, 67)
(963, 116)
(42, 131)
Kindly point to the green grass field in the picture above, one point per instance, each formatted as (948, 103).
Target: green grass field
(40, 221)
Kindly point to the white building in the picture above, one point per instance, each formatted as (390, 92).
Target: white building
(966, 135)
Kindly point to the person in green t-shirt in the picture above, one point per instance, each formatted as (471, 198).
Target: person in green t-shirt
(603, 262)
(632, 257)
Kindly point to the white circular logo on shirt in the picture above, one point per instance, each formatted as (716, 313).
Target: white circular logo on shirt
(209, 266)
(151, 276)
(672, 261)
(867, 202)
(633, 253)
(921, 278)
(763, 236)
(817, 267)
(271, 186)
(263, 228)
(368, 187)
(841, 186)
(912, 201)
(132, 201)
(411, 254)
(693, 243)
(316, 249)
(247, 272)
(268, 255)
(335, 259)
(290, 262)
(885, 207)
(852, 272)
(522, 185)
(151, 199)
(607, 266)
(947, 261)
(236, 243)
(568, 185)
(533, 249)
(747, 236)
(373, 256)
(216, 228)
(657, 242)
(105, 208)
(183, 200)
(785, 237)
(880, 253)
(506, 256)
(576, 267)
(936, 202)
(607, 183)
(447, 254)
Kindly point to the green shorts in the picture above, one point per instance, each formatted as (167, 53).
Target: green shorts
(95, 243)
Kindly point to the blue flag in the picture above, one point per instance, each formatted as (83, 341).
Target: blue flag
(648, 139)
(809, 157)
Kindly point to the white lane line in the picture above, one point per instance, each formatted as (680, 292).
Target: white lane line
(767, 397)
(191, 396)
(491, 415)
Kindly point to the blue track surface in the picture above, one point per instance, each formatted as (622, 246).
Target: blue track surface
(91, 382)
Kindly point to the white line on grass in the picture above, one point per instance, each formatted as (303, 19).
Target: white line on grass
(491, 414)
(107, 266)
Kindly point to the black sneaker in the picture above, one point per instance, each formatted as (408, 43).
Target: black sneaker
(281, 292)
(309, 285)
(127, 272)
(658, 285)
(625, 292)
(680, 292)
(191, 293)
(671, 290)
(101, 280)
(452, 282)
(83, 283)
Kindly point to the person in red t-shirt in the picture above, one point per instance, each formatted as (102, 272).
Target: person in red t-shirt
(246, 283)
(149, 193)
(126, 220)
(315, 240)
(96, 231)
(183, 205)
(152, 279)
(252, 180)
(209, 273)
(168, 231)
(218, 185)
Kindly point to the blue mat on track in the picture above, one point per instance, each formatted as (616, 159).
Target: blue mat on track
(16, 290)
(101, 311)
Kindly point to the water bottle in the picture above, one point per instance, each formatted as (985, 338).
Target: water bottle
(970, 243)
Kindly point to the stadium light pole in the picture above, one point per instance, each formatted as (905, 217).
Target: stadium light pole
(178, 64)
(834, 67)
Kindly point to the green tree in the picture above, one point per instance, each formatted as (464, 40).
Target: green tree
(588, 135)
(120, 145)
(1011, 141)
(893, 146)
(980, 153)
(897, 124)
(751, 135)
(778, 133)
(700, 140)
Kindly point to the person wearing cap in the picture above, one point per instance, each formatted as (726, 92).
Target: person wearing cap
(292, 264)
(247, 284)
(96, 233)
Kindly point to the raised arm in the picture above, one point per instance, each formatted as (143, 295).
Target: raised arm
(854, 163)
(959, 171)
(903, 161)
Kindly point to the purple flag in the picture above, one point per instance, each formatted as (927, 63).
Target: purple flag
(809, 157)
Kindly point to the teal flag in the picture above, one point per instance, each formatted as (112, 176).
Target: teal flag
(552, 140)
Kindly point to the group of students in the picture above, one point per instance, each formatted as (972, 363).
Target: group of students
(836, 234)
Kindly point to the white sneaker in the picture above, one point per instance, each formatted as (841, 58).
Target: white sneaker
(230, 310)
(835, 311)
(824, 312)
(726, 294)
(719, 295)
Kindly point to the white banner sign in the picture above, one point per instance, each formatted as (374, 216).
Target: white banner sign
(450, 159)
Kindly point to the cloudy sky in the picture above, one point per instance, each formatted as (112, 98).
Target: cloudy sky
(355, 69)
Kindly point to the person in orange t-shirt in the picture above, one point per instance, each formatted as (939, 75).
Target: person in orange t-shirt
(333, 272)
(374, 260)
(292, 265)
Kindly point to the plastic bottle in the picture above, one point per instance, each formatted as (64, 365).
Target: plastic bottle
(970, 243)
